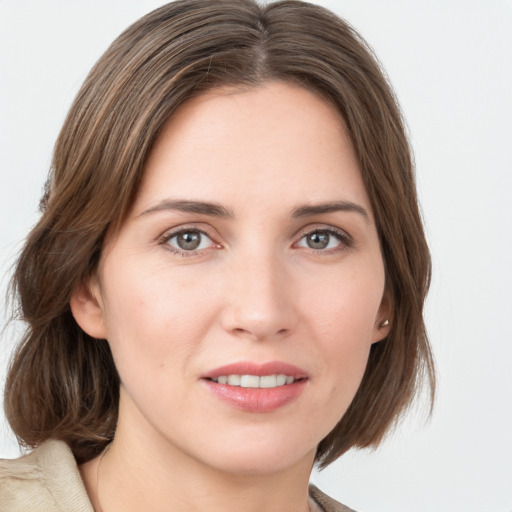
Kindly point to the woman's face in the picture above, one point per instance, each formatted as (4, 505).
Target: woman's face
(250, 258)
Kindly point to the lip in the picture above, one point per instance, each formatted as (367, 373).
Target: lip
(251, 368)
(256, 400)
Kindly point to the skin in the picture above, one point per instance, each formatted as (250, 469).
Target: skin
(254, 290)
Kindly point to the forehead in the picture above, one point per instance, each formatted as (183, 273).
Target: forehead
(274, 141)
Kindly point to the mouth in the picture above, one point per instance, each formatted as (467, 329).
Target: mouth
(256, 387)
(256, 381)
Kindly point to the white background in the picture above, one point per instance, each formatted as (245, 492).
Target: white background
(450, 63)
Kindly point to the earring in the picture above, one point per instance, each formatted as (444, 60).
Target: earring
(384, 324)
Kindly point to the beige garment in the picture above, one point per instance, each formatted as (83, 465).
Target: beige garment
(48, 480)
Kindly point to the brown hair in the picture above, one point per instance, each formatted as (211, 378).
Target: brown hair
(62, 383)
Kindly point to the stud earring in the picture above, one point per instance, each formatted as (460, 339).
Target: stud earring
(384, 324)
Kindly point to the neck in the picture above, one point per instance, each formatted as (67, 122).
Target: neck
(147, 473)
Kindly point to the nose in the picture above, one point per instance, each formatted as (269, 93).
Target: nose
(259, 300)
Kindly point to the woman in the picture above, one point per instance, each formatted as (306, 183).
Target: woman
(227, 280)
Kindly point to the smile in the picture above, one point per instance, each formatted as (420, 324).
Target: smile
(255, 381)
(255, 387)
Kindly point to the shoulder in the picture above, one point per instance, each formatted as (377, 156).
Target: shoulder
(46, 479)
(326, 503)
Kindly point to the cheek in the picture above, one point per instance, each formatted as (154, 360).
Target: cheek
(343, 316)
(346, 304)
(153, 320)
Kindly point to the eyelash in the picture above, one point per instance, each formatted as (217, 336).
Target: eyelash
(165, 239)
(345, 240)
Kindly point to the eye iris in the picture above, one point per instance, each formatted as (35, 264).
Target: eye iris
(189, 240)
(318, 240)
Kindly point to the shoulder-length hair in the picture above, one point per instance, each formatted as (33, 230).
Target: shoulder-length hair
(62, 383)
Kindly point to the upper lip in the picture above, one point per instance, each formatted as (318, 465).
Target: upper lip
(259, 369)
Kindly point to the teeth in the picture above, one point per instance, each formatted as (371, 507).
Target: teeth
(234, 380)
(281, 380)
(250, 381)
(254, 381)
(268, 381)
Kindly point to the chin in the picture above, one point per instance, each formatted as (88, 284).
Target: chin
(258, 456)
(258, 464)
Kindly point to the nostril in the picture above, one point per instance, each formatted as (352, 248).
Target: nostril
(258, 321)
(259, 333)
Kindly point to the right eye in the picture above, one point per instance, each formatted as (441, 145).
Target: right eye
(189, 240)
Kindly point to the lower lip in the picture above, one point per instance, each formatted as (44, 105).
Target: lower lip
(256, 399)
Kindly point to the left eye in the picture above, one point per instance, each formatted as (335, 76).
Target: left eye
(190, 240)
(320, 240)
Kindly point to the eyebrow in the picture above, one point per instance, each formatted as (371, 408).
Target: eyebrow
(187, 206)
(334, 206)
(217, 210)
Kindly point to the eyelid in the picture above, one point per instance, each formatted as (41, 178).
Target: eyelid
(346, 240)
(164, 238)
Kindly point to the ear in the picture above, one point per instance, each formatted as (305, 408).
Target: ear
(87, 308)
(384, 318)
